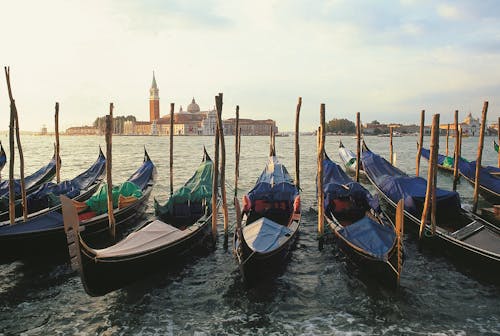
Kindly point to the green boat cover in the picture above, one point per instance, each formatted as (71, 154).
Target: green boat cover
(196, 189)
(99, 201)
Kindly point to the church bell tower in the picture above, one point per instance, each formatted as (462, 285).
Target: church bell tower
(154, 101)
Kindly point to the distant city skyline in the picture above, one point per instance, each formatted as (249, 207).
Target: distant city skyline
(387, 60)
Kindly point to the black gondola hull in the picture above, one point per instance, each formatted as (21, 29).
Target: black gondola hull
(103, 276)
(52, 243)
(379, 269)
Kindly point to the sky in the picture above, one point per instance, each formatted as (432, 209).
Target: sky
(387, 60)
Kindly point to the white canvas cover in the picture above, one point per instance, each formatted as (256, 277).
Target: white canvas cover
(153, 235)
(265, 235)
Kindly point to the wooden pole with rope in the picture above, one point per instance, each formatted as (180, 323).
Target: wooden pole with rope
(477, 181)
(430, 175)
(420, 142)
(109, 165)
(400, 217)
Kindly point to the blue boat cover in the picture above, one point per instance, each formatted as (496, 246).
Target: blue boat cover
(336, 184)
(47, 194)
(274, 184)
(143, 175)
(30, 181)
(263, 235)
(49, 221)
(468, 169)
(486, 179)
(53, 220)
(397, 185)
(370, 236)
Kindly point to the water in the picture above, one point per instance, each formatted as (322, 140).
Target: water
(318, 294)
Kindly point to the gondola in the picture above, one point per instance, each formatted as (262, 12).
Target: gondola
(181, 225)
(270, 223)
(362, 231)
(46, 197)
(348, 158)
(444, 163)
(3, 157)
(489, 178)
(42, 175)
(44, 235)
(468, 239)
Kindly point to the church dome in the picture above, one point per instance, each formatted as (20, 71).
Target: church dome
(193, 107)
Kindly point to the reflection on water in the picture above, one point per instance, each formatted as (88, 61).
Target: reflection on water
(318, 293)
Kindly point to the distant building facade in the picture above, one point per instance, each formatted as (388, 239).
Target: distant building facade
(192, 121)
(82, 130)
(470, 126)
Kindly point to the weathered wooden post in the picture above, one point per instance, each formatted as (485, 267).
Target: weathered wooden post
(498, 140)
(109, 165)
(420, 141)
(321, 153)
(12, 195)
(171, 162)
(447, 137)
(297, 145)
(391, 151)
(400, 217)
(430, 174)
(215, 181)
(434, 178)
(456, 153)
(358, 144)
(218, 104)
(236, 150)
(479, 156)
(15, 123)
(58, 148)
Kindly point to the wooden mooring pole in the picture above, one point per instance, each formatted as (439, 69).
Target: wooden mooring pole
(400, 218)
(171, 150)
(358, 144)
(447, 137)
(498, 140)
(391, 150)
(215, 181)
(109, 165)
(297, 145)
(15, 123)
(430, 174)
(58, 148)
(479, 157)
(218, 104)
(12, 195)
(420, 142)
(456, 153)
(321, 155)
(236, 151)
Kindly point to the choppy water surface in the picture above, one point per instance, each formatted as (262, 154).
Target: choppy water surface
(318, 294)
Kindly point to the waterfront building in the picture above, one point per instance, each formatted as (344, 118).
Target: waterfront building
(82, 130)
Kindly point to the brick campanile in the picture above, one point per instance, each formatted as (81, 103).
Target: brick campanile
(154, 101)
